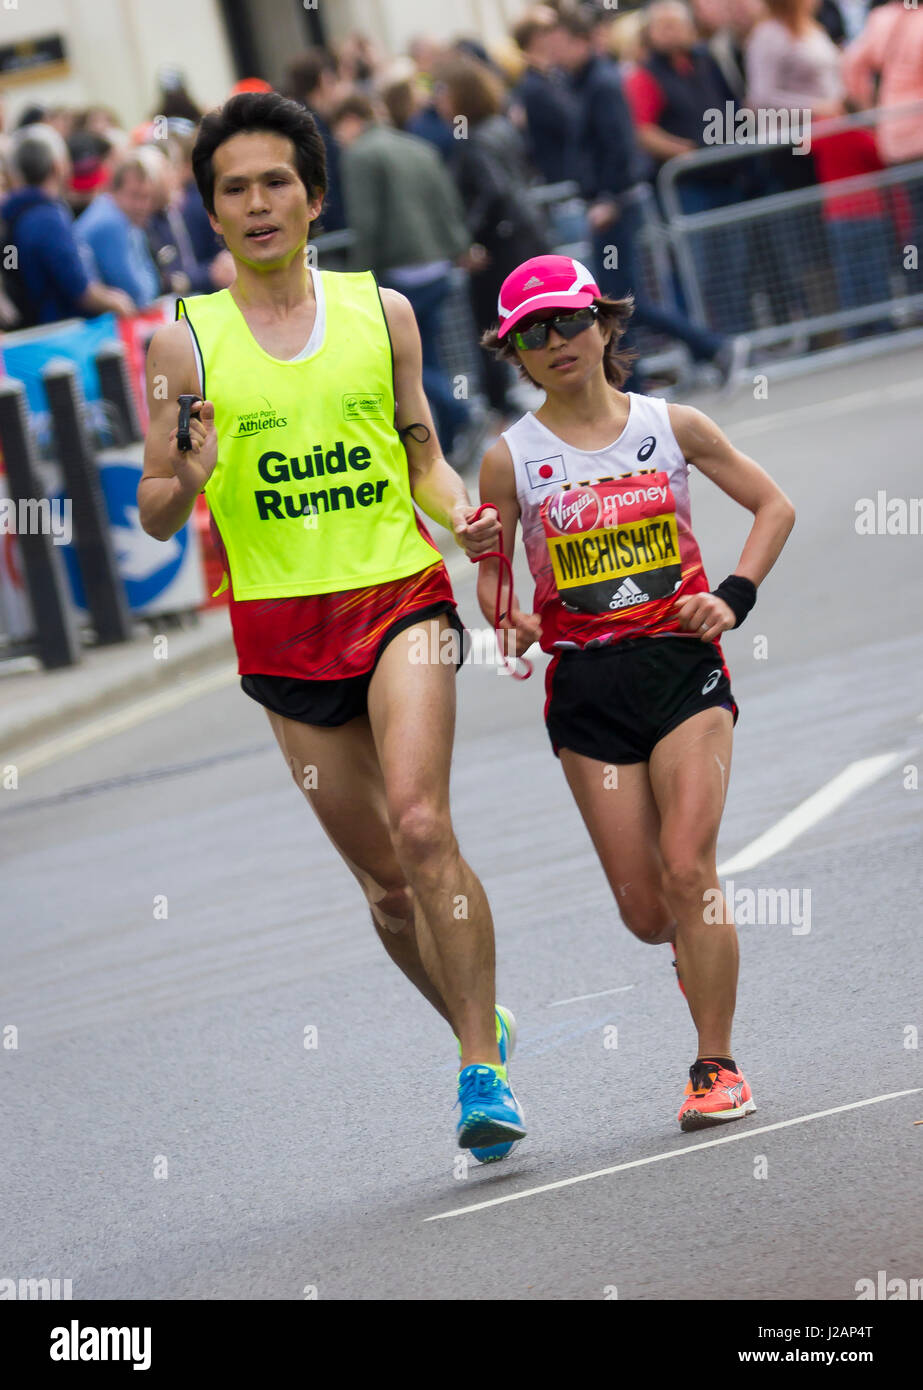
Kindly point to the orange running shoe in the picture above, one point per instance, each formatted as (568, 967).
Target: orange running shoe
(678, 977)
(713, 1096)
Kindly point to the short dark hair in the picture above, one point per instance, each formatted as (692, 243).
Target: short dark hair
(616, 362)
(533, 23)
(254, 111)
(579, 21)
(35, 151)
(473, 88)
(398, 99)
(33, 115)
(356, 104)
(128, 163)
(305, 72)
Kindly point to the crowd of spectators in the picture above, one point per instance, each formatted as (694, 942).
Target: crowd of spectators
(432, 154)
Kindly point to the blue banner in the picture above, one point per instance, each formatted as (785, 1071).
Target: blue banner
(79, 340)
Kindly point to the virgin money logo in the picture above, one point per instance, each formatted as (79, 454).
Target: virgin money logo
(574, 511)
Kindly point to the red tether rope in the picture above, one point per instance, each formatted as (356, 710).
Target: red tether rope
(501, 556)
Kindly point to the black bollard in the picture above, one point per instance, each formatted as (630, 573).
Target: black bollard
(115, 387)
(105, 592)
(55, 620)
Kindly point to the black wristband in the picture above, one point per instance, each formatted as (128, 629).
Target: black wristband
(739, 594)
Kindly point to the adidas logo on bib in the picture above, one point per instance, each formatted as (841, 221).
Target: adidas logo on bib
(628, 593)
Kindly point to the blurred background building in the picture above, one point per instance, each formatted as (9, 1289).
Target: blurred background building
(113, 49)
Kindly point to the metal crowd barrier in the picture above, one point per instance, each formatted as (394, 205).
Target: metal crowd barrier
(566, 214)
(458, 339)
(831, 258)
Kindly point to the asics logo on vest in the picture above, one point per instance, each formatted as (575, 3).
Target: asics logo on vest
(274, 467)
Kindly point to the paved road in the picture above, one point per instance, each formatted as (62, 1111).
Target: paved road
(168, 1135)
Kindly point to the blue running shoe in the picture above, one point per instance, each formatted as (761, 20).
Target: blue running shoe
(506, 1033)
(506, 1042)
(490, 1113)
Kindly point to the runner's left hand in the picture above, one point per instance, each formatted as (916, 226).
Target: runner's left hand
(705, 615)
(475, 537)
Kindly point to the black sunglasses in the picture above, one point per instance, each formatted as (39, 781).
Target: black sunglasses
(568, 325)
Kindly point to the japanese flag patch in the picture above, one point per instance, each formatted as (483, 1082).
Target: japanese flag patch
(540, 472)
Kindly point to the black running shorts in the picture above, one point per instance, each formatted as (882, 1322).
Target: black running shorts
(614, 703)
(333, 702)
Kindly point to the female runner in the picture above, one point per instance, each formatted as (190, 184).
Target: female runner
(639, 706)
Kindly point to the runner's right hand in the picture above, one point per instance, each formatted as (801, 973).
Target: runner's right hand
(195, 467)
(527, 627)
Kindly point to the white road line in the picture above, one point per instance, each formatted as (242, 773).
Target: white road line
(851, 780)
(619, 989)
(120, 720)
(671, 1153)
(819, 410)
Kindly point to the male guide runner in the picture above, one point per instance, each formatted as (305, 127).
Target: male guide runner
(311, 442)
(639, 706)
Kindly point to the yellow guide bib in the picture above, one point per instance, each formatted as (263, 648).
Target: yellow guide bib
(311, 492)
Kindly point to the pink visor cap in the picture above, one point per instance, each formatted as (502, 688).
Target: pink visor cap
(545, 282)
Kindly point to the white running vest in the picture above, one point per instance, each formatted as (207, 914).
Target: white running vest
(598, 581)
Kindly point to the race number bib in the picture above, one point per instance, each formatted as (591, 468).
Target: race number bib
(614, 545)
